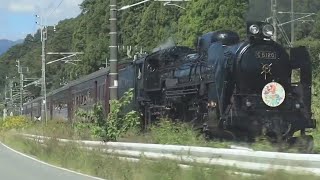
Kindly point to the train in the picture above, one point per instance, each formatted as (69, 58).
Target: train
(224, 87)
(82, 93)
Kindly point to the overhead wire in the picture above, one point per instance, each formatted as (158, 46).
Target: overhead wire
(56, 8)
(50, 5)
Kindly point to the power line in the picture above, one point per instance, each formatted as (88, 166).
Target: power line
(50, 5)
(56, 8)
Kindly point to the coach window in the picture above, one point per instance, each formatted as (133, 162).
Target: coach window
(103, 92)
(98, 93)
(88, 96)
(82, 99)
(139, 72)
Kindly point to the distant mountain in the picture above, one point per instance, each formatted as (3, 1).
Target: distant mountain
(7, 44)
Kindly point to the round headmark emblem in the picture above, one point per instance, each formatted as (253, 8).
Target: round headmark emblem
(273, 94)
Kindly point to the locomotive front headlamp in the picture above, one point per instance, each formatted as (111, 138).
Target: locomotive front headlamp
(268, 30)
(254, 29)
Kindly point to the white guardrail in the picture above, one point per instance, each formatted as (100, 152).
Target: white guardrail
(245, 159)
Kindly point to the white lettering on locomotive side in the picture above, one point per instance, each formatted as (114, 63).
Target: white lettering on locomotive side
(266, 55)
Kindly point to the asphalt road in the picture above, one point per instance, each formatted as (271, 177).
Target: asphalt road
(16, 166)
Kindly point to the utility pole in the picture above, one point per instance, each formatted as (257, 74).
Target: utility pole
(274, 19)
(21, 86)
(44, 90)
(5, 100)
(292, 22)
(43, 70)
(11, 98)
(5, 90)
(113, 51)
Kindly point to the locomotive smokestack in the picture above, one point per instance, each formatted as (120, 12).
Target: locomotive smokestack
(258, 10)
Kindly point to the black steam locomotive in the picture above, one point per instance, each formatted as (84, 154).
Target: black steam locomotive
(230, 87)
(225, 87)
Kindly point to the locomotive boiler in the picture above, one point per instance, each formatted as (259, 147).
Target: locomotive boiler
(230, 87)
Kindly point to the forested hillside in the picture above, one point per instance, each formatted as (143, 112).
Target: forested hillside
(146, 26)
(6, 44)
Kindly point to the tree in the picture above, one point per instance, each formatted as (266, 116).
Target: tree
(205, 16)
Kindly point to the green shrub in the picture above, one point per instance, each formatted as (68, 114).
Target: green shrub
(117, 123)
(168, 132)
(14, 122)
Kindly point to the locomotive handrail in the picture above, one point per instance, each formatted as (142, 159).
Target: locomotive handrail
(245, 159)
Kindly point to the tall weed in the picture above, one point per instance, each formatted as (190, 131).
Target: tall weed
(116, 124)
(168, 132)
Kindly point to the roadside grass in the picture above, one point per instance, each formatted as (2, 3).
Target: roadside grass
(72, 157)
(109, 167)
(165, 132)
(316, 137)
(59, 129)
